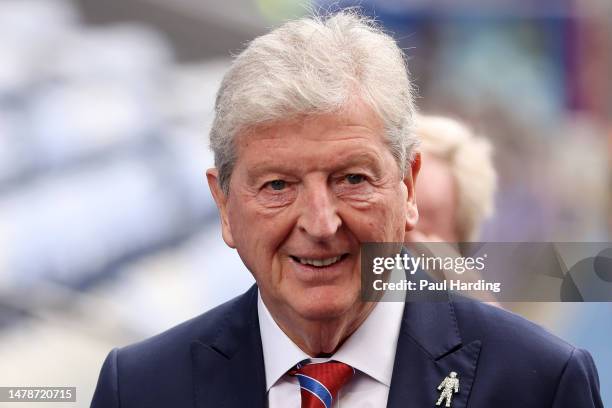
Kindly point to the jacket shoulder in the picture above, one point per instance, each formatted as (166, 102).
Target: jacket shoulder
(158, 371)
(204, 327)
(525, 356)
(510, 332)
(170, 351)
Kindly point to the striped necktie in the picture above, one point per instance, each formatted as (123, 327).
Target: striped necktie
(320, 382)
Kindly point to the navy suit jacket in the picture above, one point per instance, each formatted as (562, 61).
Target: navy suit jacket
(216, 360)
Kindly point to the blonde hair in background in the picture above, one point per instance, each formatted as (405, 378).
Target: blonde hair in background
(470, 161)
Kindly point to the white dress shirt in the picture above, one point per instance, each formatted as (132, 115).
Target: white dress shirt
(370, 350)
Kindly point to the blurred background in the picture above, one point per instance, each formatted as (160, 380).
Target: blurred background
(108, 233)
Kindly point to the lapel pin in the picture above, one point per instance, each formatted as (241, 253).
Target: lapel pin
(448, 386)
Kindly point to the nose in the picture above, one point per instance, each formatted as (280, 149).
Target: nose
(318, 216)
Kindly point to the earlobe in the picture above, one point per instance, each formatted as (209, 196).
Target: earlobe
(212, 175)
(412, 217)
(410, 179)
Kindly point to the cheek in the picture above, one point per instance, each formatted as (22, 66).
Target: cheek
(258, 231)
(396, 224)
(394, 221)
(380, 222)
(385, 217)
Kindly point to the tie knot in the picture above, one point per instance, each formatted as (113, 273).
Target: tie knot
(320, 382)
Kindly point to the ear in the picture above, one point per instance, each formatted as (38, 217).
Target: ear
(212, 175)
(412, 213)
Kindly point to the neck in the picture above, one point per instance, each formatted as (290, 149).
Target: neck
(320, 337)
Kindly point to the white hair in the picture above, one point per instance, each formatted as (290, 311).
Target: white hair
(470, 162)
(314, 65)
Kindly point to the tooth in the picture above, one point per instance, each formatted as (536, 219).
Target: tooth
(319, 262)
(329, 261)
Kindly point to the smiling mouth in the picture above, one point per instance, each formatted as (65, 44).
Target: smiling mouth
(319, 263)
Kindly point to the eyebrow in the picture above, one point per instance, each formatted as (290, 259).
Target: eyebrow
(362, 159)
(366, 159)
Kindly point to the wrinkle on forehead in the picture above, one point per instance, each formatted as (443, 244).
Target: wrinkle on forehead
(351, 116)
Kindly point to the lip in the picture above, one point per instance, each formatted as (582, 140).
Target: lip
(319, 255)
(320, 274)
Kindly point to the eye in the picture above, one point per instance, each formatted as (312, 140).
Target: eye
(355, 178)
(276, 185)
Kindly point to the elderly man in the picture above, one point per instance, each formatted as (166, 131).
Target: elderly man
(311, 137)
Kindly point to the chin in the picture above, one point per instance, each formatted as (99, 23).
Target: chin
(325, 303)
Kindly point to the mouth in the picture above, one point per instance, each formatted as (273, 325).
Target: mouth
(319, 262)
(321, 270)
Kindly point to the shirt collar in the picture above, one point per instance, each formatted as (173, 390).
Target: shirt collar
(280, 353)
(370, 349)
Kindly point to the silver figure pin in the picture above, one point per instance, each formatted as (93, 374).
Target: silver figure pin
(449, 385)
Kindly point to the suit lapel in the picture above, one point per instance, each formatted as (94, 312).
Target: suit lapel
(229, 372)
(429, 348)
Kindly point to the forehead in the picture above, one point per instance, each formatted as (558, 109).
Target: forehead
(351, 134)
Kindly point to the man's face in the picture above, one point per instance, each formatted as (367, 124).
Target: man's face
(303, 195)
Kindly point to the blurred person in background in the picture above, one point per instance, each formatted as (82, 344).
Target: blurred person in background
(457, 192)
(310, 137)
